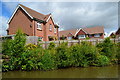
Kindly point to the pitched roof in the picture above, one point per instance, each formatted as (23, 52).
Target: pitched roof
(66, 32)
(31, 13)
(90, 30)
(94, 30)
(118, 31)
(35, 14)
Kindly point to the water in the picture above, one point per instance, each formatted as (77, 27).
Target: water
(90, 72)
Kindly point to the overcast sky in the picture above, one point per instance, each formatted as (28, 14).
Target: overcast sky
(70, 15)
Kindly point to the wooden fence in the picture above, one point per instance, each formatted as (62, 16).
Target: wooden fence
(45, 44)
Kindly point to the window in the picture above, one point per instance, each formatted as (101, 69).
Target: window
(55, 30)
(50, 27)
(69, 38)
(39, 26)
(81, 36)
(90, 35)
(97, 35)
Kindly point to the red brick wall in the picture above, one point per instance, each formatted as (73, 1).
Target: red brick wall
(48, 32)
(81, 32)
(21, 21)
(38, 32)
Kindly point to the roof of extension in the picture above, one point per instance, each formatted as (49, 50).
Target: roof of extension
(66, 32)
(90, 30)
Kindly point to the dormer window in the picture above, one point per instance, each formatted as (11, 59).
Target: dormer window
(50, 27)
(39, 26)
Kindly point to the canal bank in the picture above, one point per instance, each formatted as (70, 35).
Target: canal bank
(89, 72)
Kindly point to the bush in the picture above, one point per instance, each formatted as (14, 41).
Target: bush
(51, 45)
(30, 46)
(118, 51)
(14, 48)
(84, 54)
(107, 48)
(62, 56)
(46, 61)
(102, 60)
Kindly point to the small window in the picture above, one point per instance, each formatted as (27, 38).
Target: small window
(39, 26)
(55, 30)
(97, 35)
(31, 25)
(69, 38)
(81, 36)
(50, 27)
(90, 35)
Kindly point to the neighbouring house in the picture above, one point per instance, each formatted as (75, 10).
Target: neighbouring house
(118, 33)
(115, 34)
(33, 23)
(112, 35)
(83, 33)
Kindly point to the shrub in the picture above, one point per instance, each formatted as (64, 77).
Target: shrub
(7, 47)
(51, 45)
(14, 48)
(62, 56)
(46, 61)
(102, 60)
(118, 51)
(30, 46)
(107, 48)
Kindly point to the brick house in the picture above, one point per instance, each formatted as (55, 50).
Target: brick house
(32, 23)
(115, 34)
(83, 33)
(118, 33)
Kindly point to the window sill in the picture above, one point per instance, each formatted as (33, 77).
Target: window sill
(39, 29)
(50, 30)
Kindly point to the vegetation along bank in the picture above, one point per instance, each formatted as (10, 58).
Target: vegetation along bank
(20, 56)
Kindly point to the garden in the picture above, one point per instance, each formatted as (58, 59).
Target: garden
(17, 55)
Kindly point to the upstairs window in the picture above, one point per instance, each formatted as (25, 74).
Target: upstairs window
(97, 35)
(39, 26)
(50, 27)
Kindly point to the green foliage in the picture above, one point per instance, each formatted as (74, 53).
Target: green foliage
(30, 46)
(118, 51)
(7, 47)
(83, 54)
(18, 56)
(47, 62)
(51, 45)
(102, 60)
(62, 56)
(107, 48)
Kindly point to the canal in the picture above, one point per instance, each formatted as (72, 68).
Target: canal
(89, 72)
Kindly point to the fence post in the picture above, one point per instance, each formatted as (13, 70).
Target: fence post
(45, 44)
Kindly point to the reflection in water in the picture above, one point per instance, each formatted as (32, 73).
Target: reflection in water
(90, 72)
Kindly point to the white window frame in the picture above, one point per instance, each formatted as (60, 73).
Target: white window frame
(39, 26)
(96, 35)
(69, 38)
(81, 36)
(50, 27)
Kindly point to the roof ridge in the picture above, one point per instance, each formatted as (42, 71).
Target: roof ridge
(31, 9)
